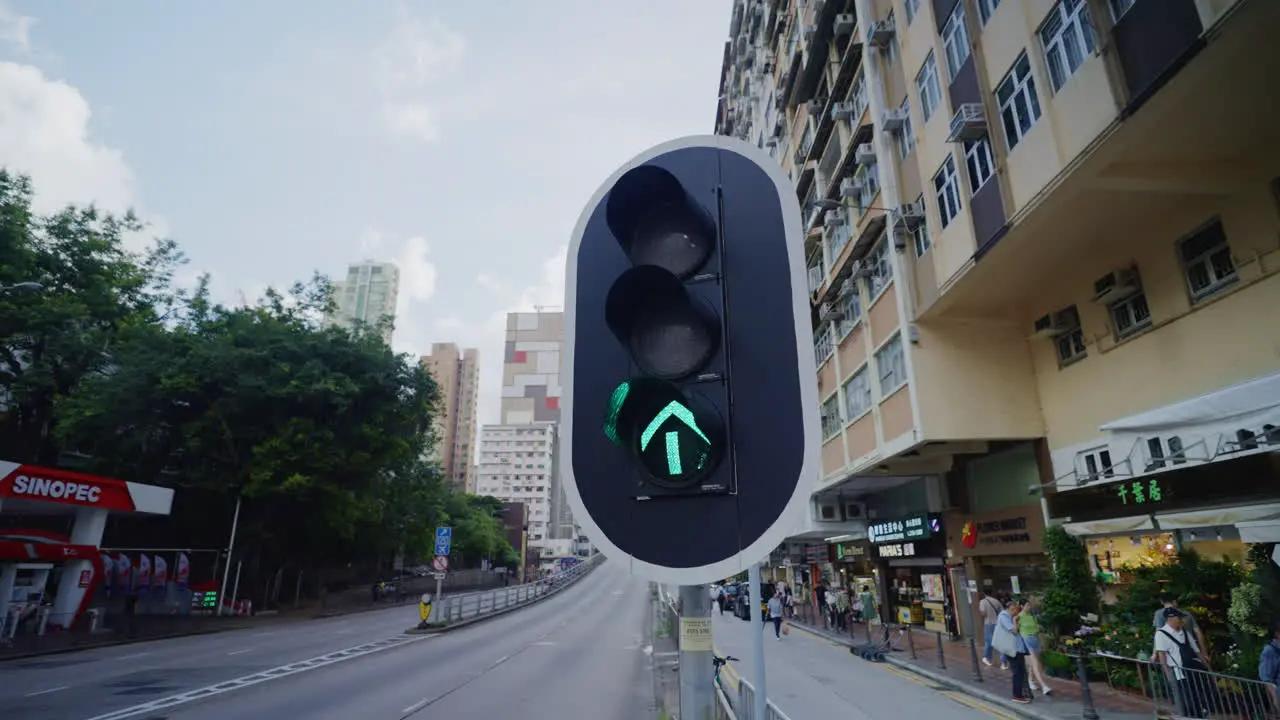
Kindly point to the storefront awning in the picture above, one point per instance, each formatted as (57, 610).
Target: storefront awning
(1218, 516)
(1250, 404)
(1113, 526)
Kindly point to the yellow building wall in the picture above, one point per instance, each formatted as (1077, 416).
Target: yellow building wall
(896, 418)
(1189, 350)
(882, 317)
(975, 381)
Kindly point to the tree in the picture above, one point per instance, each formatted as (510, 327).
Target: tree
(1073, 592)
(93, 289)
(311, 426)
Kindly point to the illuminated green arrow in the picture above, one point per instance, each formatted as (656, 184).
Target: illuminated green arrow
(676, 410)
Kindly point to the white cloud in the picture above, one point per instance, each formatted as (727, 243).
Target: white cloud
(45, 134)
(412, 59)
(15, 29)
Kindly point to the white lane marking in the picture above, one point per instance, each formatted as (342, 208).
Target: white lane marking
(261, 677)
(544, 643)
(50, 690)
(134, 655)
(499, 661)
(264, 634)
(240, 652)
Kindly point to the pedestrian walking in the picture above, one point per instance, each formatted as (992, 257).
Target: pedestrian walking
(990, 609)
(775, 614)
(720, 598)
(1029, 629)
(1178, 651)
(1006, 641)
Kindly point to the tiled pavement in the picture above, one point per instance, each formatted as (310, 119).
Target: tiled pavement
(956, 670)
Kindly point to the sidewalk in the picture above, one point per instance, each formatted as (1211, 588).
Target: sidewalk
(996, 686)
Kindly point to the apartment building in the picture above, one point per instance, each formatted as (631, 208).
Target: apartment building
(367, 295)
(457, 375)
(1038, 227)
(531, 391)
(517, 465)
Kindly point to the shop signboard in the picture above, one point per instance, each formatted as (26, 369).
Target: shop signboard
(913, 527)
(1011, 531)
(849, 551)
(896, 550)
(1243, 480)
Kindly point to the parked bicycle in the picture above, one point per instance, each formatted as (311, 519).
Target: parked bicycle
(720, 662)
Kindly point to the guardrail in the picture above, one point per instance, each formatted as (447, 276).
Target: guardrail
(747, 704)
(468, 606)
(1185, 692)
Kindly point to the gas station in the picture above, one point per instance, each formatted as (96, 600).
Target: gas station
(34, 562)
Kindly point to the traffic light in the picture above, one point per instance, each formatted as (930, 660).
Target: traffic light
(689, 412)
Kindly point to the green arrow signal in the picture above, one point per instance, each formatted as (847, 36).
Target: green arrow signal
(676, 410)
(674, 466)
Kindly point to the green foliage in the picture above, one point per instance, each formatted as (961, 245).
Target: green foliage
(321, 431)
(1073, 592)
(1255, 604)
(1202, 586)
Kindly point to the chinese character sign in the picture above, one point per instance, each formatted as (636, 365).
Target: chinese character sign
(1140, 492)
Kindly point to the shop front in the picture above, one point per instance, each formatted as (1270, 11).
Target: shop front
(1214, 509)
(855, 566)
(999, 551)
(910, 555)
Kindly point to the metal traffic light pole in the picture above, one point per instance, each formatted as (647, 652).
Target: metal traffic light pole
(757, 645)
(697, 674)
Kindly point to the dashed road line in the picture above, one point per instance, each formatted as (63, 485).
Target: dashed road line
(240, 652)
(978, 705)
(261, 677)
(48, 690)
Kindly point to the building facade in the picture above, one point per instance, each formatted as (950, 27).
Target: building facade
(531, 391)
(517, 465)
(367, 294)
(457, 375)
(1037, 224)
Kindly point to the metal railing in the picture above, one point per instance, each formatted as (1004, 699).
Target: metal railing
(1187, 693)
(467, 606)
(747, 704)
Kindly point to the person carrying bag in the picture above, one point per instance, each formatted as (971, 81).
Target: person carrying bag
(1011, 645)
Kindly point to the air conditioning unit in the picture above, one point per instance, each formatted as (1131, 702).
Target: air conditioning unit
(865, 154)
(843, 110)
(969, 123)
(1056, 323)
(847, 287)
(834, 217)
(807, 34)
(815, 107)
(1116, 286)
(855, 511)
(880, 32)
(845, 23)
(850, 187)
(771, 141)
(894, 120)
(900, 241)
(828, 512)
(909, 216)
(862, 271)
(829, 312)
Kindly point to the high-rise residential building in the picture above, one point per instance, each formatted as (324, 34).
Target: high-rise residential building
(1042, 255)
(457, 375)
(517, 465)
(531, 390)
(367, 294)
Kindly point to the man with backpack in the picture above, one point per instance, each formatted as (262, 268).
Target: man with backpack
(1269, 663)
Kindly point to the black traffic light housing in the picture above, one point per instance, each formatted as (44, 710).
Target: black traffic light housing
(689, 436)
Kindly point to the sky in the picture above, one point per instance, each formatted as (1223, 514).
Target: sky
(273, 139)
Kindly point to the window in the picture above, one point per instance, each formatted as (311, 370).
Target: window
(831, 423)
(928, 87)
(868, 185)
(1070, 347)
(881, 268)
(912, 7)
(978, 161)
(987, 8)
(1206, 261)
(837, 238)
(921, 232)
(906, 137)
(1120, 7)
(823, 346)
(1018, 102)
(859, 97)
(955, 39)
(1067, 38)
(946, 189)
(1131, 315)
(851, 310)
(857, 394)
(891, 366)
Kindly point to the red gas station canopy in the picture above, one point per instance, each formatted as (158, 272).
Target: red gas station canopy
(35, 489)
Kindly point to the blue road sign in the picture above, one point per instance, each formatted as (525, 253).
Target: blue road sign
(444, 540)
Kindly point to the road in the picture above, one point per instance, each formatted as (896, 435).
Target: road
(811, 677)
(578, 654)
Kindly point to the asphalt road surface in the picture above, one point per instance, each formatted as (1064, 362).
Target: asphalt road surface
(811, 677)
(578, 654)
